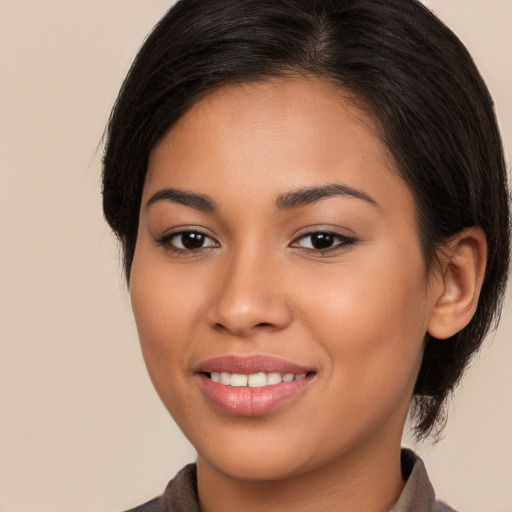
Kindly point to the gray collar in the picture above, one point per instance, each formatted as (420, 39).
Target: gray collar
(418, 494)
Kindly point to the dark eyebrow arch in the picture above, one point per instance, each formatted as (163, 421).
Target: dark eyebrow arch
(304, 196)
(197, 201)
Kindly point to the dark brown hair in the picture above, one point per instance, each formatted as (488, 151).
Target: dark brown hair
(433, 109)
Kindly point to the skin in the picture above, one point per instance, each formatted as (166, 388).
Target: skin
(356, 313)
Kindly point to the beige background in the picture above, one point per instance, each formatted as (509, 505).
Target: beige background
(80, 426)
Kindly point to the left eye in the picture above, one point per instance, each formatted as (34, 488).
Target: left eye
(321, 241)
(188, 241)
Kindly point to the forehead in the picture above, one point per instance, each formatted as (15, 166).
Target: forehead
(274, 133)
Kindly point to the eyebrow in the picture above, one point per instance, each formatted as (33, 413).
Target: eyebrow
(197, 201)
(304, 196)
(290, 200)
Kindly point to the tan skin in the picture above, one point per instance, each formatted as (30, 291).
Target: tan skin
(336, 284)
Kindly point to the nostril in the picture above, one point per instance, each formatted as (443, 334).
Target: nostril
(244, 330)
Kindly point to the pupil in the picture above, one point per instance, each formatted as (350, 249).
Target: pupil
(192, 240)
(322, 240)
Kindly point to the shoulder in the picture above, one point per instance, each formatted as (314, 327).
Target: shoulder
(180, 494)
(154, 505)
(443, 507)
(418, 494)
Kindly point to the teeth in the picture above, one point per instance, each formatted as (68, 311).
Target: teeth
(274, 378)
(255, 380)
(238, 381)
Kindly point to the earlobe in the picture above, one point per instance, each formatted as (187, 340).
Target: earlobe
(460, 279)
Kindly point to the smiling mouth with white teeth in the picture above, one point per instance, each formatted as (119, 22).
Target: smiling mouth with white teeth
(252, 385)
(254, 380)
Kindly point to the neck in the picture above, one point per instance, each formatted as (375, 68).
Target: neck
(371, 482)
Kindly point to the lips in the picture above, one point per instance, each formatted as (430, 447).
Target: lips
(252, 386)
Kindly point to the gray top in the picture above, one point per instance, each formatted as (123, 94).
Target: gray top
(417, 496)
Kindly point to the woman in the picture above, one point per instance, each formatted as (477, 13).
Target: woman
(312, 203)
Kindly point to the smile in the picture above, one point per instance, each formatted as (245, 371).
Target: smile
(252, 386)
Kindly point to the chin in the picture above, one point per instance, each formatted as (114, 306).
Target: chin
(256, 467)
(252, 454)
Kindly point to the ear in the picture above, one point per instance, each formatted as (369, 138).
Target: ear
(458, 283)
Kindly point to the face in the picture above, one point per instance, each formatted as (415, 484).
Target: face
(278, 284)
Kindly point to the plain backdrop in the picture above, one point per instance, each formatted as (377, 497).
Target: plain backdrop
(81, 428)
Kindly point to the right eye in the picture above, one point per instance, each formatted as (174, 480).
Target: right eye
(184, 241)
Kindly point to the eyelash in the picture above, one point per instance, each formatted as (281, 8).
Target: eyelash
(342, 241)
(167, 241)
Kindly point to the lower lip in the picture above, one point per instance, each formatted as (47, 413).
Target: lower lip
(246, 401)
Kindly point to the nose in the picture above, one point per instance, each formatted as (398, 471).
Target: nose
(250, 296)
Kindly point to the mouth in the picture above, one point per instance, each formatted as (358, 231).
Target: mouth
(252, 386)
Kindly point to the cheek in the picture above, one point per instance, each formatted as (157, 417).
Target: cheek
(371, 333)
(370, 318)
(163, 296)
(164, 321)
(165, 306)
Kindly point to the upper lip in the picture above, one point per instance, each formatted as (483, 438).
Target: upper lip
(247, 365)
